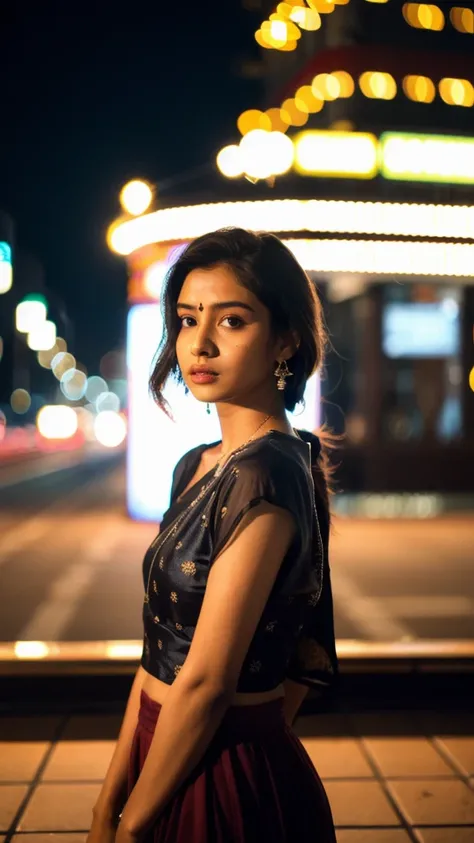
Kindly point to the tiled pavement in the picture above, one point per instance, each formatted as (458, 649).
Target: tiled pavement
(391, 777)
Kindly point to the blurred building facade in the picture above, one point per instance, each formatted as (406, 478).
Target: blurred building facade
(389, 245)
(398, 379)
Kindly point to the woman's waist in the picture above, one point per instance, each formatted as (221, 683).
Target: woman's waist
(239, 723)
(157, 691)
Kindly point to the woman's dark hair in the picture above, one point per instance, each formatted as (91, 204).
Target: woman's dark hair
(267, 268)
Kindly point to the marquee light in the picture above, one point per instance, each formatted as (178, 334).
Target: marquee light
(385, 257)
(423, 16)
(339, 154)
(432, 158)
(419, 88)
(462, 19)
(457, 92)
(377, 85)
(292, 215)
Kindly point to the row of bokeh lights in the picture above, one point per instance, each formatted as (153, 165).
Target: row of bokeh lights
(374, 84)
(61, 422)
(282, 30)
(74, 383)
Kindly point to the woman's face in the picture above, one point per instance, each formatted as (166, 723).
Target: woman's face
(225, 329)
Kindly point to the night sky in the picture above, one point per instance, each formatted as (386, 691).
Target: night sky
(93, 98)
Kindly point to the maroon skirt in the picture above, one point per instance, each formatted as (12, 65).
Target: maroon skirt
(255, 782)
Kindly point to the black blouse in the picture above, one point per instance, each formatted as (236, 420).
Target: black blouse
(295, 635)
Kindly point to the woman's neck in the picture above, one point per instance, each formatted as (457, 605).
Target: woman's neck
(245, 423)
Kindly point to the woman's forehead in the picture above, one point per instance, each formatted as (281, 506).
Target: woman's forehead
(217, 282)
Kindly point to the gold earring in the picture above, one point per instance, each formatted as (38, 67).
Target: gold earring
(282, 372)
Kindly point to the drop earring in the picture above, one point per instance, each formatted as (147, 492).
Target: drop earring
(282, 372)
(208, 409)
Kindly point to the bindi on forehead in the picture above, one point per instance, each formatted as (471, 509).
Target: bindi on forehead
(220, 305)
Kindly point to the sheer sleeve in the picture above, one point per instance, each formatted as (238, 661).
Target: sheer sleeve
(314, 661)
(255, 478)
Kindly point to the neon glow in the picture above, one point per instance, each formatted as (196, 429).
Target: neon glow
(280, 215)
(433, 158)
(338, 154)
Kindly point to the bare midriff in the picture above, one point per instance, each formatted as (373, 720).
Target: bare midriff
(157, 691)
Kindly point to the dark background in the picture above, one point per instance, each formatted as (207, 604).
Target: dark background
(92, 98)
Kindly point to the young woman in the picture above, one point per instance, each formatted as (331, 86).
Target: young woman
(238, 611)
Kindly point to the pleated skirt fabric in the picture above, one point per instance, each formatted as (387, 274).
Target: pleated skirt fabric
(255, 783)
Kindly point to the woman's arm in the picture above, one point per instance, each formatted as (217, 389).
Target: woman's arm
(113, 794)
(239, 584)
(294, 696)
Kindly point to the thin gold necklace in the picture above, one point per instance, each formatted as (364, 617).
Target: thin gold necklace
(235, 450)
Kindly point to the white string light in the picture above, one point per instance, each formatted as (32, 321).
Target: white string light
(292, 215)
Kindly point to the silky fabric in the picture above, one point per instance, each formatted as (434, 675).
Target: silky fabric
(295, 634)
(255, 782)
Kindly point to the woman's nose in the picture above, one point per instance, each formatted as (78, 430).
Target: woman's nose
(202, 342)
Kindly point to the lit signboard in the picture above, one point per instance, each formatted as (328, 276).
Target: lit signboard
(336, 154)
(5, 267)
(421, 329)
(433, 158)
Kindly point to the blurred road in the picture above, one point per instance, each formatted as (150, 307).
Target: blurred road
(70, 562)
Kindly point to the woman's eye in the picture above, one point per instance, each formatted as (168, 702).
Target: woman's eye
(183, 320)
(238, 322)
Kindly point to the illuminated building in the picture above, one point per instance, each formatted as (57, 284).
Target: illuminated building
(374, 195)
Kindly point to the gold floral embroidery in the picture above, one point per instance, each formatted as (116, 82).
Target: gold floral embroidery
(160, 644)
(271, 626)
(177, 668)
(178, 546)
(178, 626)
(146, 599)
(161, 563)
(204, 519)
(236, 471)
(156, 619)
(174, 596)
(155, 587)
(255, 666)
(188, 568)
(202, 488)
(223, 511)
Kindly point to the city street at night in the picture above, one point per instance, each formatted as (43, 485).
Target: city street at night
(68, 549)
(237, 271)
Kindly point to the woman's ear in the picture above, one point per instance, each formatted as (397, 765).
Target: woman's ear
(290, 344)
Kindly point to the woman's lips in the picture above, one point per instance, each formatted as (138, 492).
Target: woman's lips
(203, 377)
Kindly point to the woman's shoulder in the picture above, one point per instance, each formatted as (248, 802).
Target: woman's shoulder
(276, 459)
(276, 450)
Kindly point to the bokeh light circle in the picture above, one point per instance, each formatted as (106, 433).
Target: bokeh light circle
(73, 384)
(61, 363)
(107, 401)
(136, 197)
(110, 429)
(20, 401)
(95, 387)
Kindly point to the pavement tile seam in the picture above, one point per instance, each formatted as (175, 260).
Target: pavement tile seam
(35, 781)
(404, 821)
(450, 759)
